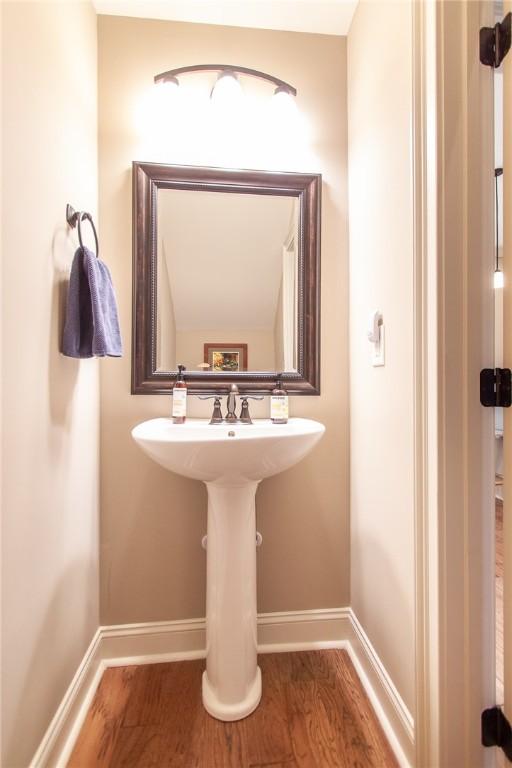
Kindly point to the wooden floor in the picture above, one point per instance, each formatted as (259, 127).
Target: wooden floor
(313, 714)
(499, 602)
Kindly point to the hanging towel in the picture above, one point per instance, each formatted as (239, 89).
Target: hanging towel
(92, 326)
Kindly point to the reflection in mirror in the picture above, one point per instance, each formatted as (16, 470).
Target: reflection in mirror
(227, 267)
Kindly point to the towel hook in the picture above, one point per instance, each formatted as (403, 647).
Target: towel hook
(75, 218)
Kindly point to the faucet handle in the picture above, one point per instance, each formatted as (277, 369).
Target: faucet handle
(217, 412)
(245, 416)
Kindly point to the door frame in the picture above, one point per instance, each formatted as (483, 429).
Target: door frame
(452, 130)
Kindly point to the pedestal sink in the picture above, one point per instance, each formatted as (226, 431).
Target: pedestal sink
(231, 460)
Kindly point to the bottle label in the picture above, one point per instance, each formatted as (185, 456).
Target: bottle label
(279, 407)
(179, 401)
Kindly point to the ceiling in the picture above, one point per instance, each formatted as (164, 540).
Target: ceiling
(331, 17)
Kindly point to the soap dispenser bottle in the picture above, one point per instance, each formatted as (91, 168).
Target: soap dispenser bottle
(279, 404)
(179, 398)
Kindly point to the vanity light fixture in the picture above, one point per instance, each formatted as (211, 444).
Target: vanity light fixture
(228, 79)
(498, 273)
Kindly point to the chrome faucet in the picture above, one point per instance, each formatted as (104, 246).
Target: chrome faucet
(231, 417)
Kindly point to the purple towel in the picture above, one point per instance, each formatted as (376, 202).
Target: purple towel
(92, 327)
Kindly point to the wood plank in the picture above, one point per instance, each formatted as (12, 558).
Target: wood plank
(165, 714)
(217, 745)
(306, 666)
(360, 718)
(350, 738)
(288, 764)
(314, 743)
(266, 730)
(139, 745)
(97, 739)
(145, 701)
(500, 661)
(182, 713)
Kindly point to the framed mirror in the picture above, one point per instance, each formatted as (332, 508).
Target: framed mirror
(226, 279)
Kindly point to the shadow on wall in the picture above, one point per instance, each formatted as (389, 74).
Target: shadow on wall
(296, 520)
(375, 571)
(62, 371)
(48, 673)
(157, 529)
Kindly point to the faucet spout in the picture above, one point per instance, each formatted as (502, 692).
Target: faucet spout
(231, 417)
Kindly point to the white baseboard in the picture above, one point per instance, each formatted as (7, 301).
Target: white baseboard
(396, 720)
(67, 721)
(179, 640)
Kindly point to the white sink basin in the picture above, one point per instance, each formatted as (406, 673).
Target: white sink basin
(231, 460)
(224, 453)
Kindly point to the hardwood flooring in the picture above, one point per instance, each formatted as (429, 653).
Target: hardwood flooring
(314, 713)
(499, 602)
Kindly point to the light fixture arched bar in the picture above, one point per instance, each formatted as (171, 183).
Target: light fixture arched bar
(172, 74)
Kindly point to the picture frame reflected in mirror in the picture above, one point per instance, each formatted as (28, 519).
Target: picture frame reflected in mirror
(226, 358)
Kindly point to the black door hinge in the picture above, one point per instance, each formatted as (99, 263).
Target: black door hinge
(496, 387)
(495, 42)
(496, 730)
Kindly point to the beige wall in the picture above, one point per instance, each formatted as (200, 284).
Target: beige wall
(153, 567)
(381, 278)
(50, 403)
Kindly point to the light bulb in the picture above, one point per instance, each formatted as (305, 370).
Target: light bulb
(168, 86)
(166, 98)
(498, 278)
(227, 91)
(167, 93)
(283, 104)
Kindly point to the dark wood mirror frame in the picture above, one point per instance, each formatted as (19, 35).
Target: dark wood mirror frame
(148, 178)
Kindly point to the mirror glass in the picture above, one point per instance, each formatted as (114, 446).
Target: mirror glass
(227, 267)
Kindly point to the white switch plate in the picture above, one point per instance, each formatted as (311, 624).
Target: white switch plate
(378, 349)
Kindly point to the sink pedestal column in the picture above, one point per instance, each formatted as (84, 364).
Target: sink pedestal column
(232, 680)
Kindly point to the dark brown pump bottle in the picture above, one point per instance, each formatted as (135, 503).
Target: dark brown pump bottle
(179, 398)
